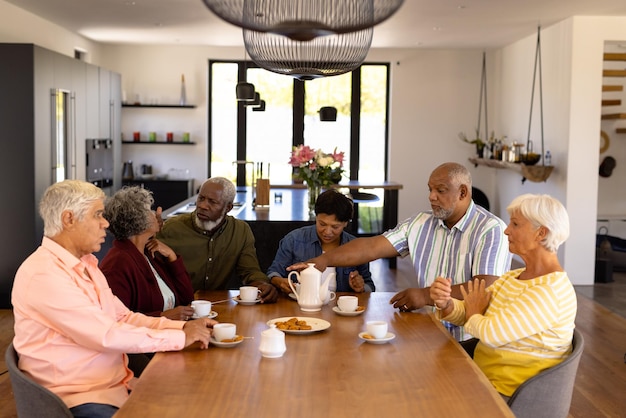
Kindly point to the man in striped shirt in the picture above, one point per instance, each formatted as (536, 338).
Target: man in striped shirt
(457, 239)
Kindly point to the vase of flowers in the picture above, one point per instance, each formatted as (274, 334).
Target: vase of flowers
(317, 169)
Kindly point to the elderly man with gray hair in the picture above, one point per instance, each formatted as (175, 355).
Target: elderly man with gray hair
(71, 332)
(218, 250)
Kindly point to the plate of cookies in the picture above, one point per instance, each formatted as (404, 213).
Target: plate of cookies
(299, 324)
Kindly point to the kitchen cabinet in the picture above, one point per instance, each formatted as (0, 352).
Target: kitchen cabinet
(33, 81)
(166, 193)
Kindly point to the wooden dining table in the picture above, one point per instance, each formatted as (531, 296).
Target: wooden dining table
(329, 373)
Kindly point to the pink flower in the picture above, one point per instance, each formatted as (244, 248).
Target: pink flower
(301, 155)
(338, 157)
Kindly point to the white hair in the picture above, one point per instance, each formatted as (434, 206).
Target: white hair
(73, 195)
(543, 210)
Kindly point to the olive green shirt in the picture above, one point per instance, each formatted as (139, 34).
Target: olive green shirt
(225, 259)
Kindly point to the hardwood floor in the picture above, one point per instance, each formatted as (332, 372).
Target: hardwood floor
(600, 389)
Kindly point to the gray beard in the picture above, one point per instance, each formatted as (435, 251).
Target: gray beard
(442, 214)
(208, 225)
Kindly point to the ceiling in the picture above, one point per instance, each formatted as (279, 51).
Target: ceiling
(419, 23)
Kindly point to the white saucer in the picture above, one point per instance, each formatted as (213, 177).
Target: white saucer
(343, 313)
(383, 340)
(292, 296)
(212, 315)
(223, 344)
(241, 302)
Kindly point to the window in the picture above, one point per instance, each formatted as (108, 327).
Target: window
(240, 138)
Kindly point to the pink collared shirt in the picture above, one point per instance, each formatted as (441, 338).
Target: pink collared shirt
(72, 333)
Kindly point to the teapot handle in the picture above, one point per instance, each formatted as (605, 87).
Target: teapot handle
(293, 289)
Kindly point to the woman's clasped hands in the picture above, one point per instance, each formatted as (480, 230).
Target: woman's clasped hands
(440, 293)
(476, 298)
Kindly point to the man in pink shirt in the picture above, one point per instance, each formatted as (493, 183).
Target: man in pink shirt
(71, 332)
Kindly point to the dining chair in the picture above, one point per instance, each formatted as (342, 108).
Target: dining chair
(549, 393)
(374, 214)
(480, 198)
(31, 399)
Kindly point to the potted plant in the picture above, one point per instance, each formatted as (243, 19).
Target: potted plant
(479, 143)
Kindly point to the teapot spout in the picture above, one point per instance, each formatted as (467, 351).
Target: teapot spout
(324, 287)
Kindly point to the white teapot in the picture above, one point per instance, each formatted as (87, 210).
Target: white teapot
(311, 289)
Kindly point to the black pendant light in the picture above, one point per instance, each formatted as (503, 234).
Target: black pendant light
(328, 114)
(244, 91)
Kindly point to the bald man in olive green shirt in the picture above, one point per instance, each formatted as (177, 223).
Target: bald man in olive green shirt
(217, 249)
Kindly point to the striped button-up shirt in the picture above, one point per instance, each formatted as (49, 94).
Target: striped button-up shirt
(476, 245)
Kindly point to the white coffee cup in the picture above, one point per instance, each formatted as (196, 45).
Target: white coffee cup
(348, 303)
(377, 329)
(224, 331)
(201, 308)
(248, 293)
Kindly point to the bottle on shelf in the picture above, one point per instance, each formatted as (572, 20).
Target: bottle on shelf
(183, 92)
(548, 158)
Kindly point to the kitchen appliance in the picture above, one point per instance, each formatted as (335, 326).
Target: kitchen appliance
(99, 163)
(127, 171)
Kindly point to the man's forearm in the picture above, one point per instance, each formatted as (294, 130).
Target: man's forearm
(359, 251)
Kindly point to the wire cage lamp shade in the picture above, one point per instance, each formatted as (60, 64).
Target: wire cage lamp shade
(306, 60)
(304, 20)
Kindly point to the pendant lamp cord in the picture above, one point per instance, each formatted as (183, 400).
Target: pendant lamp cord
(483, 92)
(532, 96)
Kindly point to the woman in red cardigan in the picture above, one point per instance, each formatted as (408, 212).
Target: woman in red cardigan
(144, 273)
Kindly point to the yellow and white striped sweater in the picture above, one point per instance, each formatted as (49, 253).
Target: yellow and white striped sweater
(527, 327)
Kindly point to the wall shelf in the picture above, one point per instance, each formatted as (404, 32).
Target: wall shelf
(534, 173)
(614, 73)
(614, 116)
(158, 143)
(169, 106)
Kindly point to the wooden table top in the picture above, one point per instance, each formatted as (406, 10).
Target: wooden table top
(332, 373)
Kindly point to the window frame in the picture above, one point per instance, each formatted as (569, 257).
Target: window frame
(298, 118)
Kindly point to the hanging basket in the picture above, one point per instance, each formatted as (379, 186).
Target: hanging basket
(536, 173)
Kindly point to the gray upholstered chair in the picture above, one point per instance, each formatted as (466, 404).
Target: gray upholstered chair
(548, 394)
(32, 399)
